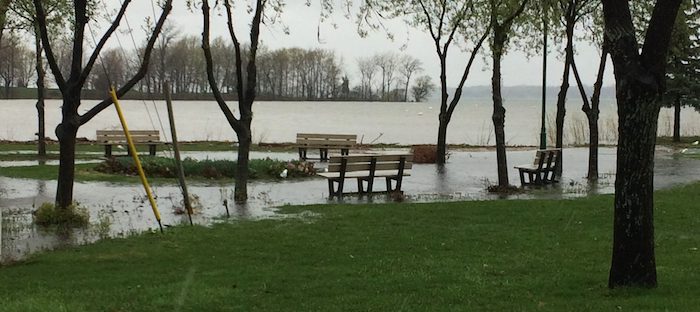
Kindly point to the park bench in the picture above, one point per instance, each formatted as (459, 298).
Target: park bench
(364, 168)
(117, 137)
(324, 142)
(543, 170)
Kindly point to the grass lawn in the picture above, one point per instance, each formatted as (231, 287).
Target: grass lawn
(466, 256)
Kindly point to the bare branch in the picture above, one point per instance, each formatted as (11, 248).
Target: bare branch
(143, 69)
(102, 42)
(48, 50)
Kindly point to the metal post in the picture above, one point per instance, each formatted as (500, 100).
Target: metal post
(545, 23)
(135, 156)
(176, 151)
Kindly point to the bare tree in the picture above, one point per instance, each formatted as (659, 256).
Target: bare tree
(446, 21)
(246, 89)
(503, 14)
(409, 65)
(368, 68)
(71, 86)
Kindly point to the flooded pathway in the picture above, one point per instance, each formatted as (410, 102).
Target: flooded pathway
(118, 210)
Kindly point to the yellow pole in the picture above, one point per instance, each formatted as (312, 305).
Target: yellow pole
(132, 149)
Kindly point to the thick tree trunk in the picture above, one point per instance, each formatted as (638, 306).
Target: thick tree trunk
(633, 261)
(640, 81)
(677, 119)
(499, 112)
(40, 88)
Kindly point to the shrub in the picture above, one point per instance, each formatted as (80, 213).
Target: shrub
(72, 217)
(424, 154)
(211, 169)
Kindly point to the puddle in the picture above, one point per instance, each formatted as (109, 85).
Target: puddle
(118, 210)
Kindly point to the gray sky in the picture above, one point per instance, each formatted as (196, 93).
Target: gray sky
(303, 24)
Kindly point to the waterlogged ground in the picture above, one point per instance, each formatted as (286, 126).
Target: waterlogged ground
(121, 209)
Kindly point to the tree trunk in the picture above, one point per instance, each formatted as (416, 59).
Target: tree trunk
(443, 117)
(40, 88)
(592, 112)
(442, 141)
(677, 119)
(564, 89)
(633, 261)
(242, 169)
(66, 133)
(640, 79)
(499, 112)
(593, 137)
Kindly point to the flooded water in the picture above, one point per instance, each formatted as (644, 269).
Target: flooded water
(373, 122)
(121, 209)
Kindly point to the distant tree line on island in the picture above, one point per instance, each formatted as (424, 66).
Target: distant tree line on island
(283, 74)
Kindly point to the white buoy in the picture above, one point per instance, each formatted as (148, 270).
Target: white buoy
(430, 107)
(120, 147)
(420, 113)
(283, 174)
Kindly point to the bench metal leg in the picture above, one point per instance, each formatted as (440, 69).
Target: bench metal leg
(324, 154)
(361, 185)
(108, 150)
(333, 191)
(302, 153)
(344, 151)
(522, 178)
(152, 150)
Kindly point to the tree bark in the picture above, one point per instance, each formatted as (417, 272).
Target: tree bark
(499, 112)
(40, 89)
(564, 89)
(677, 119)
(442, 140)
(640, 82)
(66, 133)
(242, 167)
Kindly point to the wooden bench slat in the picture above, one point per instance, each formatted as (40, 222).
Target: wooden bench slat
(310, 143)
(368, 158)
(366, 166)
(360, 174)
(312, 136)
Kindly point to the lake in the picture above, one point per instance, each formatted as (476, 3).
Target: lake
(373, 122)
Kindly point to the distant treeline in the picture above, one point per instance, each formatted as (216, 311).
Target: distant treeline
(514, 92)
(282, 74)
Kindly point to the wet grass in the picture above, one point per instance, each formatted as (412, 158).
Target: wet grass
(463, 256)
(196, 171)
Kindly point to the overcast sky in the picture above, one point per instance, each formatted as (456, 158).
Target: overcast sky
(305, 32)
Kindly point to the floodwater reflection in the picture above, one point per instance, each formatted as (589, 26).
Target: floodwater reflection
(118, 210)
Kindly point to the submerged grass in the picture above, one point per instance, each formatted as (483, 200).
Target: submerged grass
(463, 256)
(162, 170)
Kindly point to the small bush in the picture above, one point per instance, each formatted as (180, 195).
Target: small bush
(424, 154)
(72, 217)
(211, 169)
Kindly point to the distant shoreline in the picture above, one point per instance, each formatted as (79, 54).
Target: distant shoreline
(478, 92)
